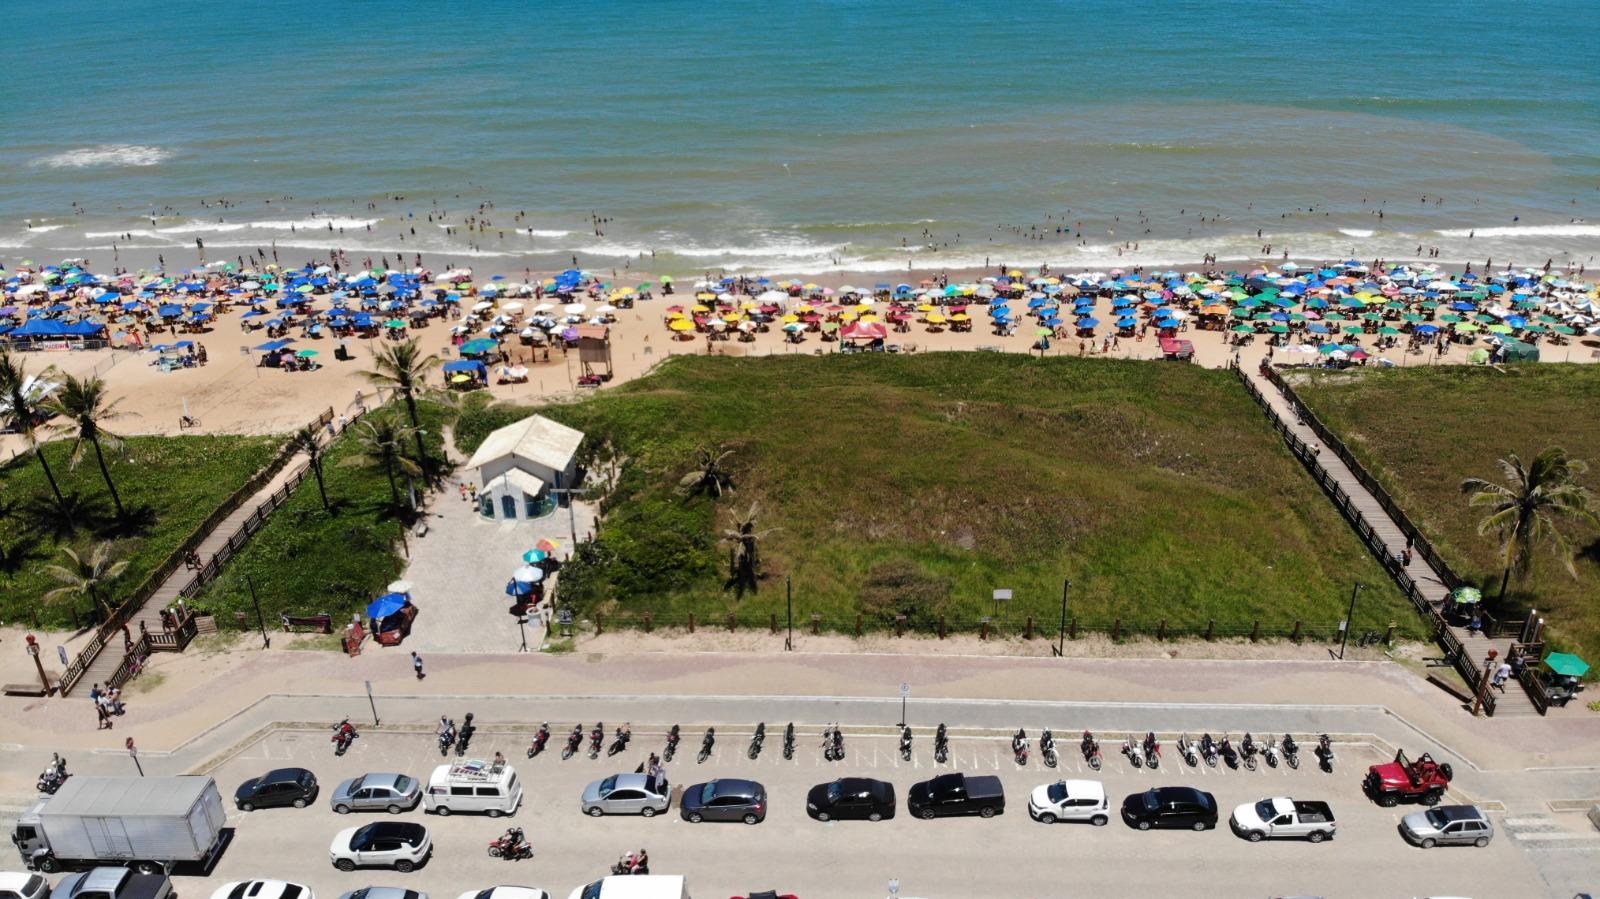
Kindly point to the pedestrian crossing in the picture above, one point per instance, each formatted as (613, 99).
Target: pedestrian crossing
(1543, 832)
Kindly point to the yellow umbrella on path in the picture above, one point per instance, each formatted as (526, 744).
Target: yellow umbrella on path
(681, 324)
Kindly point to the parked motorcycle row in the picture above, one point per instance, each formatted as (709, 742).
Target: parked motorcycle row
(1141, 752)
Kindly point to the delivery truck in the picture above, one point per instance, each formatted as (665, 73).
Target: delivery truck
(148, 824)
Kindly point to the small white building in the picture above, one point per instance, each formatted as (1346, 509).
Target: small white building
(517, 464)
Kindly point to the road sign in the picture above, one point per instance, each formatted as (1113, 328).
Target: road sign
(61, 652)
(1002, 595)
(132, 749)
(905, 689)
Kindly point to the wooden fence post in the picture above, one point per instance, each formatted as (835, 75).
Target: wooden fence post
(599, 624)
(1116, 630)
(858, 624)
(1388, 636)
(899, 625)
(649, 622)
(1296, 635)
(984, 634)
(691, 622)
(1211, 627)
(1028, 634)
(1072, 628)
(732, 623)
(942, 627)
(1161, 632)
(1255, 632)
(816, 624)
(772, 622)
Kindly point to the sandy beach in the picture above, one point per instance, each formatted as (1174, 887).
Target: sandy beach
(232, 394)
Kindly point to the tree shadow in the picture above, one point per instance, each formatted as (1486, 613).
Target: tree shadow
(1590, 553)
(137, 522)
(19, 554)
(44, 518)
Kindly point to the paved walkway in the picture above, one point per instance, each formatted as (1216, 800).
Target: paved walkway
(110, 658)
(1513, 701)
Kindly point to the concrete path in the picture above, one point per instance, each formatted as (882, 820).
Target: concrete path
(1513, 701)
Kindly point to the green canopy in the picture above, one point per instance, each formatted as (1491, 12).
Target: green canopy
(1517, 351)
(1566, 663)
(1466, 596)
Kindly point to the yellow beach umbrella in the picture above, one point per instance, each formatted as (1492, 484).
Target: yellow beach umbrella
(925, 307)
(701, 307)
(935, 318)
(681, 324)
(958, 317)
(790, 319)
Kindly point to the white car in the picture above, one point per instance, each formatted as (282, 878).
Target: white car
(1070, 800)
(263, 889)
(23, 885)
(506, 893)
(401, 845)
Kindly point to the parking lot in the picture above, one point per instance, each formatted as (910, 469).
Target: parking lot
(1009, 856)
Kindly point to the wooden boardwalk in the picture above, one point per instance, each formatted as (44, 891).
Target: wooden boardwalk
(1390, 536)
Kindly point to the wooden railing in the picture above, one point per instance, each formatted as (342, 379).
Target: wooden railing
(1454, 652)
(134, 660)
(135, 600)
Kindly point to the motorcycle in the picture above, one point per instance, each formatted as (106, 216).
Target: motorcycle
(539, 739)
(511, 846)
(1291, 752)
(465, 737)
(631, 864)
(574, 740)
(756, 739)
(1152, 751)
(672, 744)
(1134, 752)
(1019, 746)
(941, 745)
(1186, 749)
(1047, 748)
(1270, 753)
(447, 737)
(620, 742)
(344, 733)
(1230, 756)
(788, 742)
(1248, 750)
(597, 738)
(1325, 753)
(905, 743)
(832, 743)
(1208, 750)
(1090, 747)
(706, 744)
(54, 776)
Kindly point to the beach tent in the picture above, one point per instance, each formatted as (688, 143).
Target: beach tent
(1517, 351)
(472, 368)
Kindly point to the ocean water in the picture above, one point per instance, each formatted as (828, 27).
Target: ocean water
(799, 137)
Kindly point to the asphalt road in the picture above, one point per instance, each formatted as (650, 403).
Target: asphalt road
(1010, 856)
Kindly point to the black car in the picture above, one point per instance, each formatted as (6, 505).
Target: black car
(851, 798)
(284, 786)
(1171, 807)
(725, 799)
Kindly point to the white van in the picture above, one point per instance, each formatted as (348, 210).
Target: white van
(636, 886)
(473, 786)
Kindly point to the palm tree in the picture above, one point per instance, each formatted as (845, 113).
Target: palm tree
(85, 576)
(308, 440)
(401, 367)
(24, 410)
(1523, 510)
(85, 405)
(708, 476)
(744, 549)
(380, 440)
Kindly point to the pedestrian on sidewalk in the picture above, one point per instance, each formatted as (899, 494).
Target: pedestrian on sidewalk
(416, 665)
(105, 717)
(1500, 675)
(1405, 555)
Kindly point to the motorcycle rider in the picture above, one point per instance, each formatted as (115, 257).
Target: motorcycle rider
(1019, 745)
(513, 844)
(465, 736)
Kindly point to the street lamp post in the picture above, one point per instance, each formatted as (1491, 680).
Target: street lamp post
(522, 626)
(1350, 618)
(1061, 639)
(788, 589)
(266, 642)
(33, 650)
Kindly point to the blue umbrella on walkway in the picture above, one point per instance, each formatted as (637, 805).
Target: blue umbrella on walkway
(386, 605)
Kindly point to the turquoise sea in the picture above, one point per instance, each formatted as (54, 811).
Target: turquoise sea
(802, 136)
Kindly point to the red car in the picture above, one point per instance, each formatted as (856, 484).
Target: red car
(1424, 780)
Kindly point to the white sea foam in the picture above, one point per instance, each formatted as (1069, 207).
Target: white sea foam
(1355, 232)
(107, 155)
(1575, 229)
(535, 232)
(44, 229)
(134, 232)
(311, 224)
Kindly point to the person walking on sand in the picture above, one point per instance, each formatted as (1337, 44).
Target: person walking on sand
(105, 717)
(416, 665)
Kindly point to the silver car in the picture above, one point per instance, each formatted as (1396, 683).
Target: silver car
(625, 794)
(1446, 825)
(393, 793)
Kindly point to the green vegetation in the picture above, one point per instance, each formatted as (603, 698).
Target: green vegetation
(1423, 431)
(306, 560)
(168, 486)
(917, 485)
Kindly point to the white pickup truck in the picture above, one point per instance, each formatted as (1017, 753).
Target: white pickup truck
(1281, 816)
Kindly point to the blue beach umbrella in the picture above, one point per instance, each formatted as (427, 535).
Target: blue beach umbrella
(386, 605)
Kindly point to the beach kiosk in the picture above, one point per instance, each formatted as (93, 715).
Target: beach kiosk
(594, 351)
(1175, 350)
(517, 465)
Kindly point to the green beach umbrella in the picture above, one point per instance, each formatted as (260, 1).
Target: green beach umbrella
(1563, 329)
(1352, 329)
(306, 354)
(1567, 664)
(1412, 317)
(1244, 329)
(1241, 313)
(1042, 332)
(1499, 329)
(1451, 319)
(1279, 329)
(1386, 330)
(1296, 317)
(1467, 328)
(1430, 305)
(1372, 317)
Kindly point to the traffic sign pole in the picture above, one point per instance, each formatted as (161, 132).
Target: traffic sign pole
(905, 690)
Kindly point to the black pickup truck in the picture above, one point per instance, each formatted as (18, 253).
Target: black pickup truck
(957, 794)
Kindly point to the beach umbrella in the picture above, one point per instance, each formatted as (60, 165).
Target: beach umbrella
(1565, 663)
(1042, 332)
(527, 574)
(681, 324)
(386, 605)
(306, 354)
(1247, 329)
